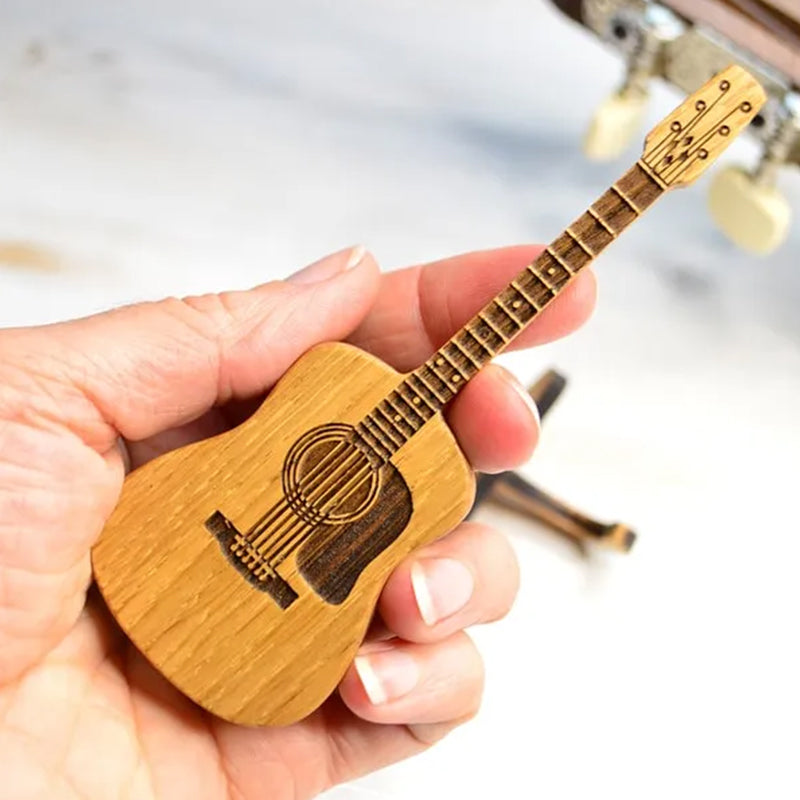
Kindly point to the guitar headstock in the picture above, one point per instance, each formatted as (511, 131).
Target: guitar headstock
(688, 141)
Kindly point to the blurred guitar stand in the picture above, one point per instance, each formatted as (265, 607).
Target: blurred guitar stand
(512, 491)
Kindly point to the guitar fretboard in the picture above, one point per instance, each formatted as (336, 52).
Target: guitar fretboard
(424, 392)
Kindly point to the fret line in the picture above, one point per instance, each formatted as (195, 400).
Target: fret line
(392, 423)
(578, 241)
(464, 352)
(380, 427)
(522, 293)
(364, 432)
(626, 199)
(513, 317)
(425, 383)
(480, 341)
(539, 277)
(491, 327)
(560, 260)
(418, 396)
(601, 222)
(444, 357)
(399, 413)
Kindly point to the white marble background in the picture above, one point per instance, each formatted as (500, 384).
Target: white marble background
(174, 147)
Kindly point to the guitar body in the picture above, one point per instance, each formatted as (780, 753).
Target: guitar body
(246, 567)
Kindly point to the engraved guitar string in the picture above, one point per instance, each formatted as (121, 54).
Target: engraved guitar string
(535, 269)
(673, 173)
(343, 484)
(285, 541)
(284, 546)
(293, 531)
(264, 527)
(703, 107)
(269, 517)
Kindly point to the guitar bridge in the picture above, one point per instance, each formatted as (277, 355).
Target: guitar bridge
(248, 562)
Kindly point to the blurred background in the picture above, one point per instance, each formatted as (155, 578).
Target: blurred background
(178, 147)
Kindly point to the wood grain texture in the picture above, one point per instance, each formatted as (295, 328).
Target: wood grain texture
(221, 641)
(682, 146)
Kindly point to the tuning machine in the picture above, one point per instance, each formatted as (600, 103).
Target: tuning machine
(748, 206)
(641, 33)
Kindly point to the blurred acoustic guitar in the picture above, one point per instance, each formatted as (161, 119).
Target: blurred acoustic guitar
(684, 42)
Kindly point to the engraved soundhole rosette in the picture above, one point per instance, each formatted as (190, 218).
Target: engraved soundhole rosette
(328, 478)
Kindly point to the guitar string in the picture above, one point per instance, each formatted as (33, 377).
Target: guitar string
(289, 540)
(268, 519)
(278, 536)
(690, 127)
(252, 552)
(275, 535)
(286, 545)
(285, 510)
(355, 481)
(672, 174)
(283, 537)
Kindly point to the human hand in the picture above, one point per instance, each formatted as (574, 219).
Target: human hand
(82, 714)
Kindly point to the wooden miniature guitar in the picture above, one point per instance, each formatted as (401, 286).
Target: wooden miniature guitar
(246, 567)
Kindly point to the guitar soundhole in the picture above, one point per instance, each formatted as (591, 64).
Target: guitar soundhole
(328, 478)
(331, 512)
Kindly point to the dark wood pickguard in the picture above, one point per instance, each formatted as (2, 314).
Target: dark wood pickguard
(335, 555)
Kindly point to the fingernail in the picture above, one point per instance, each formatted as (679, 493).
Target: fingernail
(441, 587)
(329, 266)
(387, 675)
(526, 398)
(356, 256)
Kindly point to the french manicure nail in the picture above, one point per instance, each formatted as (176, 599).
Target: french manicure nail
(329, 266)
(527, 399)
(442, 586)
(356, 256)
(386, 675)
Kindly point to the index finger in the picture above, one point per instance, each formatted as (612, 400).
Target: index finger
(420, 307)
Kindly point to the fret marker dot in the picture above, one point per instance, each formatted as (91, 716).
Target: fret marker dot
(439, 362)
(456, 378)
(415, 401)
(551, 271)
(517, 304)
(397, 418)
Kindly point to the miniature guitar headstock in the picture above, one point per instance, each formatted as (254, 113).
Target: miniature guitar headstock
(685, 144)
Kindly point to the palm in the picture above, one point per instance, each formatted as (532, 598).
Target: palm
(93, 718)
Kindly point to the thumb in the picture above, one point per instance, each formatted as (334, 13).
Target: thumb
(150, 367)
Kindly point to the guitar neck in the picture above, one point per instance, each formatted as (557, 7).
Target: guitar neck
(429, 388)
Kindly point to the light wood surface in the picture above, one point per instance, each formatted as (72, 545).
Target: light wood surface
(220, 641)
